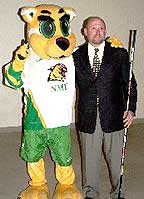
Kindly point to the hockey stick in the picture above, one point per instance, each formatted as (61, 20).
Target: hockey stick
(131, 51)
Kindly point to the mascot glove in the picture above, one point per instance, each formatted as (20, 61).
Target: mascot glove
(20, 56)
(115, 42)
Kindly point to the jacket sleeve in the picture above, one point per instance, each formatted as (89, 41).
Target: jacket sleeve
(133, 95)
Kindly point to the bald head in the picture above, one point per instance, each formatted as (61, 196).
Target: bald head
(94, 30)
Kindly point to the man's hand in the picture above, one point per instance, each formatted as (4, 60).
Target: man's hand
(128, 118)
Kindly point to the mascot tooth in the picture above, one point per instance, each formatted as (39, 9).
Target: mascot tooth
(44, 68)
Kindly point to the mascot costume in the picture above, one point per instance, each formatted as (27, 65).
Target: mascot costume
(43, 67)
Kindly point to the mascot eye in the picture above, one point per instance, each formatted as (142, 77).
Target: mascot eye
(65, 27)
(47, 28)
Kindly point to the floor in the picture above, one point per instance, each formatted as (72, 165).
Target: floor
(13, 176)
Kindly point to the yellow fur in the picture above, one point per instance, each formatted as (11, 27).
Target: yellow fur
(115, 42)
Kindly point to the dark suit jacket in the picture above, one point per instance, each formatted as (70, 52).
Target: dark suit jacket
(111, 86)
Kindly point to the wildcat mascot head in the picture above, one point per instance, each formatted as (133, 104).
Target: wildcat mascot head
(48, 30)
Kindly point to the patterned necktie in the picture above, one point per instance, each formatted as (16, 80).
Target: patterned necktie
(96, 63)
(96, 67)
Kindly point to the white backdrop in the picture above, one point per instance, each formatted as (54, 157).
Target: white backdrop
(119, 15)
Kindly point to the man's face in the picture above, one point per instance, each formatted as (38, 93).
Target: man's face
(95, 31)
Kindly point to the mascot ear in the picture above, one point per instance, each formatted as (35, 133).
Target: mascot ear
(71, 12)
(27, 13)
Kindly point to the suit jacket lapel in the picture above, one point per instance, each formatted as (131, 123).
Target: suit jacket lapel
(106, 55)
(86, 63)
(85, 59)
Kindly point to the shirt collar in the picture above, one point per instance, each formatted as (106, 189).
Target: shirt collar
(100, 47)
(91, 51)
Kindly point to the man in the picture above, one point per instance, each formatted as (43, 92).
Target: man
(102, 83)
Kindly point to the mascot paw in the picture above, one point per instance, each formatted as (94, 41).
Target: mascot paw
(20, 56)
(35, 192)
(22, 53)
(115, 42)
(67, 192)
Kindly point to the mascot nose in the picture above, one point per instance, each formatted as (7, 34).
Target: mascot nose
(63, 43)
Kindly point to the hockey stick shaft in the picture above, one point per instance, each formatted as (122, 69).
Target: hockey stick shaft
(131, 51)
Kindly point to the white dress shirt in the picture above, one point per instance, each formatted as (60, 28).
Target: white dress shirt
(91, 52)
